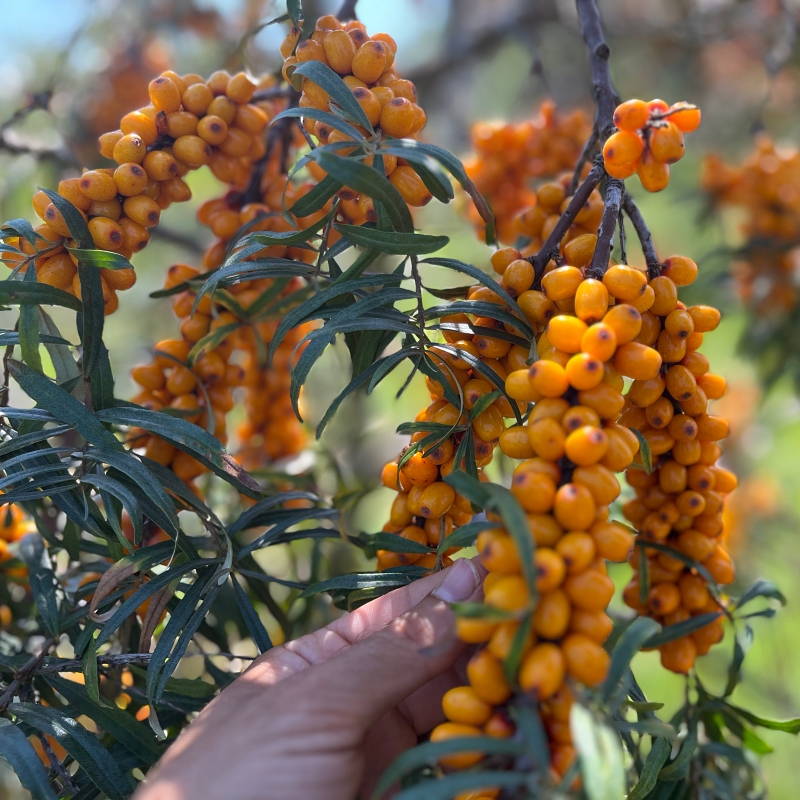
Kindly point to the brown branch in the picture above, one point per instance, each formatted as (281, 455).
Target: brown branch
(550, 247)
(176, 237)
(645, 237)
(615, 189)
(585, 155)
(605, 95)
(347, 11)
(24, 674)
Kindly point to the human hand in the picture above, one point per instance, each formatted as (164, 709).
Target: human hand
(352, 697)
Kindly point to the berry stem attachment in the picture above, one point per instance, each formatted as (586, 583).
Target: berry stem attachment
(645, 237)
(615, 190)
(539, 261)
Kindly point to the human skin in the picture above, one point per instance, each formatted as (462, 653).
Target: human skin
(352, 697)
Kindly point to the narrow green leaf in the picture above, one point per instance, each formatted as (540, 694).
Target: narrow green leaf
(656, 759)
(644, 450)
(97, 762)
(362, 580)
(787, 726)
(251, 618)
(29, 328)
(680, 629)
(43, 580)
(18, 752)
(21, 293)
(91, 681)
(637, 633)
(391, 242)
(366, 180)
(339, 92)
(102, 259)
(465, 535)
(600, 755)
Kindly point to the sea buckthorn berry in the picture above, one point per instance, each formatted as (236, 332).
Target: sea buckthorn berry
(664, 598)
(679, 323)
(164, 95)
(585, 659)
(542, 671)
(503, 257)
(623, 147)
(192, 150)
(565, 333)
(130, 179)
(224, 108)
(666, 296)
(705, 318)
(404, 88)
(369, 104)
(139, 123)
(240, 88)
(578, 252)
(518, 277)
(420, 471)
(518, 387)
(508, 593)
(197, 98)
(534, 491)
(339, 50)
(591, 301)
(672, 477)
(498, 553)
(547, 438)
(411, 187)
(454, 730)
(486, 677)
(142, 210)
(714, 386)
(590, 590)
(578, 416)
(612, 541)
(397, 117)
(97, 185)
(577, 550)
(437, 499)
(212, 129)
(551, 616)
(654, 175)
(574, 507)
(462, 704)
(597, 625)
(57, 271)
(604, 399)
(56, 221)
(679, 655)
(548, 379)
(474, 631)
(680, 270)
(644, 393)
(369, 61)
(106, 142)
(625, 283)
(514, 443)
(600, 481)
(681, 384)
(621, 170)
(666, 143)
(696, 404)
(682, 428)
(550, 569)
(586, 445)
(671, 348)
(562, 283)
(625, 321)
(637, 361)
(129, 148)
(631, 115)
(106, 208)
(685, 117)
(159, 166)
(106, 234)
(712, 428)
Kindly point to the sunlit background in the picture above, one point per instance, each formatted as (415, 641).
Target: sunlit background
(471, 60)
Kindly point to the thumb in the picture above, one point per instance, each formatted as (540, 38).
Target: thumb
(374, 675)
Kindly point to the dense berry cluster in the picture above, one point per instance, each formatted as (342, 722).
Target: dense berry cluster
(189, 123)
(649, 138)
(679, 504)
(366, 64)
(570, 446)
(508, 156)
(767, 185)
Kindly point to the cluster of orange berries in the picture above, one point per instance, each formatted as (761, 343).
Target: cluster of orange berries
(570, 447)
(649, 138)
(678, 504)
(366, 65)
(767, 185)
(190, 122)
(507, 156)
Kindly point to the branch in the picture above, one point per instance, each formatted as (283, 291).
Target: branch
(51, 665)
(585, 155)
(539, 261)
(24, 674)
(605, 95)
(615, 189)
(645, 238)
(347, 11)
